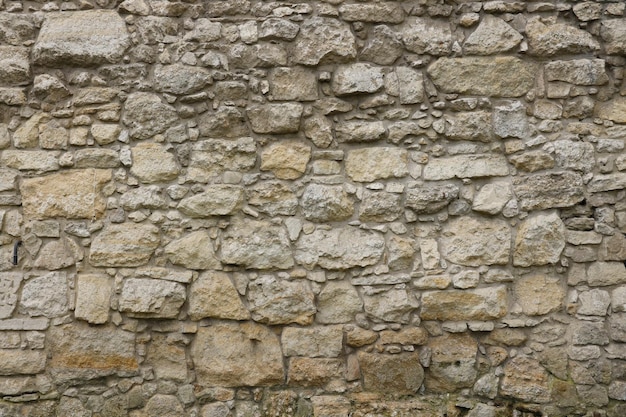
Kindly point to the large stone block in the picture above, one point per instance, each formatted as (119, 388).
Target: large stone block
(357, 79)
(225, 122)
(287, 160)
(213, 294)
(156, 298)
(425, 36)
(45, 295)
(613, 32)
(193, 251)
(538, 294)
(559, 38)
(431, 199)
(237, 354)
(453, 362)
(466, 166)
(478, 304)
(321, 341)
(394, 305)
(274, 300)
(275, 118)
(476, 242)
(371, 164)
(210, 158)
(397, 374)
(540, 240)
(22, 362)
(388, 12)
(324, 203)
(294, 83)
(324, 41)
(525, 379)
(81, 38)
(338, 302)
(548, 190)
(180, 79)
(72, 195)
(120, 245)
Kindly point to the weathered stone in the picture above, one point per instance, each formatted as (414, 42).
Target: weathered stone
(492, 36)
(14, 66)
(492, 197)
(540, 240)
(407, 84)
(276, 301)
(146, 115)
(8, 179)
(614, 110)
(370, 164)
(151, 298)
(144, 168)
(324, 41)
(276, 28)
(466, 166)
(533, 161)
(608, 182)
(319, 129)
(475, 242)
(548, 190)
(216, 200)
(431, 199)
(210, 158)
(9, 286)
(225, 122)
(77, 38)
(606, 273)
(293, 84)
(147, 197)
(577, 71)
(38, 161)
(324, 203)
(394, 305)
(322, 341)
(205, 30)
(453, 361)
(388, 12)
(96, 158)
(485, 76)
(127, 244)
(287, 160)
(479, 304)
(193, 251)
(16, 28)
(72, 194)
(237, 354)
(214, 295)
(383, 47)
(22, 362)
(272, 197)
(357, 79)
(539, 294)
(167, 357)
(314, 372)
(358, 131)
(341, 248)
(45, 295)
(180, 79)
(589, 333)
(275, 118)
(473, 126)
(432, 37)
(572, 155)
(525, 379)
(27, 134)
(164, 406)
(509, 120)
(58, 254)
(93, 298)
(614, 35)
(399, 374)
(594, 303)
(559, 38)
(380, 206)
(338, 302)
(256, 245)
(104, 134)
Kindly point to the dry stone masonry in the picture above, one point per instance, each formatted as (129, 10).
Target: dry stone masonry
(328, 208)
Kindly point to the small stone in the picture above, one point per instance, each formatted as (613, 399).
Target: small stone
(473, 126)
(399, 374)
(180, 79)
(338, 302)
(394, 305)
(287, 160)
(577, 71)
(388, 12)
(294, 83)
(276, 28)
(614, 110)
(309, 372)
(380, 206)
(360, 131)
(319, 129)
(151, 298)
(225, 122)
(272, 197)
(205, 30)
(275, 118)
(572, 155)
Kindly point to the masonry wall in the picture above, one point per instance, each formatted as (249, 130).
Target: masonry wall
(328, 208)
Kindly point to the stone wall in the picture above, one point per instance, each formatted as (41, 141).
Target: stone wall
(240, 208)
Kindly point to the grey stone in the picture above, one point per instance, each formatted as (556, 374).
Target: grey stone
(45, 295)
(225, 122)
(380, 206)
(548, 190)
(424, 36)
(146, 115)
(313, 342)
(466, 166)
(475, 242)
(477, 304)
(96, 158)
(295, 83)
(37, 161)
(324, 40)
(453, 361)
(473, 126)
(525, 379)
(151, 298)
(559, 38)
(594, 302)
(127, 244)
(398, 374)
(214, 295)
(205, 30)
(193, 251)
(492, 36)
(272, 197)
(394, 305)
(144, 168)
(383, 47)
(357, 79)
(150, 197)
(577, 71)
(180, 79)
(338, 302)
(10, 285)
(492, 197)
(510, 121)
(431, 199)
(215, 200)
(589, 333)
(324, 203)
(388, 12)
(275, 118)
(276, 301)
(405, 83)
(276, 28)
(606, 273)
(614, 35)
(210, 158)
(540, 240)
(14, 66)
(359, 131)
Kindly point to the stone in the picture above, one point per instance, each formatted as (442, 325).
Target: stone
(407, 84)
(144, 168)
(22, 362)
(325, 203)
(319, 129)
(594, 303)
(339, 248)
(9, 286)
(398, 374)
(324, 40)
(213, 295)
(540, 240)
(276, 28)
(533, 161)
(380, 206)
(617, 330)
(8, 179)
(16, 28)
(180, 79)
(76, 38)
(225, 122)
(431, 199)
(45, 295)
(466, 166)
(14, 66)
(105, 134)
(314, 342)
(210, 158)
(53, 136)
(215, 200)
(205, 30)
(256, 245)
(275, 118)
(509, 120)
(93, 298)
(75, 194)
(484, 76)
(538, 294)
(272, 197)
(432, 37)
(476, 241)
(548, 190)
(338, 302)
(358, 131)
(606, 273)
(287, 160)
(371, 164)
(96, 158)
(296, 83)
(577, 156)
(164, 406)
(167, 356)
(394, 305)
(143, 197)
(577, 71)
(314, 372)
(388, 12)
(357, 78)
(151, 298)
(73, 407)
(608, 182)
(558, 38)
(453, 361)
(492, 197)
(525, 379)
(613, 34)
(612, 110)
(145, 115)
(383, 46)
(124, 245)
(478, 304)
(58, 254)
(231, 354)
(276, 301)
(492, 36)
(27, 134)
(589, 333)
(193, 251)
(472, 126)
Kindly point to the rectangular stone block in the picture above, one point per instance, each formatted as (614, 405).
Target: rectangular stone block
(480, 304)
(93, 298)
(466, 166)
(9, 286)
(22, 362)
(323, 341)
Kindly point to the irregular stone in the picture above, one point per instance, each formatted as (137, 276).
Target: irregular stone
(589, 333)
(533, 161)
(407, 84)
(27, 134)
(427, 36)
(210, 158)
(466, 166)
(39, 161)
(205, 30)
(256, 245)
(275, 118)
(545, 109)
(164, 406)
(225, 122)
(273, 198)
(383, 47)
(370, 164)
(8, 179)
(324, 41)
(539, 294)
(388, 12)
(358, 131)
(76, 38)
(95, 95)
(540, 240)
(215, 200)
(608, 182)
(143, 197)
(155, 298)
(287, 160)
(324, 203)
(431, 199)
(319, 129)
(14, 66)
(614, 35)
(123, 245)
(476, 242)
(525, 379)
(276, 28)
(72, 407)
(492, 197)
(93, 298)
(614, 110)
(559, 38)
(275, 301)
(478, 304)
(394, 305)
(75, 194)
(492, 36)
(357, 78)
(453, 361)
(293, 83)
(338, 302)
(193, 251)
(380, 206)
(577, 71)
(548, 190)
(22, 362)
(399, 374)
(96, 158)
(578, 156)
(9, 286)
(104, 134)
(17, 28)
(341, 248)
(237, 354)
(213, 295)
(58, 254)
(606, 273)
(309, 372)
(594, 303)
(180, 79)
(45, 295)
(144, 168)
(314, 342)
(146, 115)
(12, 97)
(484, 76)
(474, 126)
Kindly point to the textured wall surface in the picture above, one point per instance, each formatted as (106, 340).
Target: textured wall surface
(331, 208)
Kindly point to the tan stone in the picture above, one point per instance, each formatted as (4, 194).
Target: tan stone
(466, 166)
(287, 160)
(314, 372)
(525, 379)
(105, 134)
(338, 302)
(475, 241)
(397, 374)
(73, 194)
(127, 244)
(167, 357)
(275, 118)
(156, 298)
(370, 164)
(325, 203)
(540, 240)
(539, 294)
(614, 110)
(324, 40)
(547, 190)
(478, 304)
(559, 38)
(210, 158)
(320, 341)
(22, 362)
(216, 200)
(193, 251)
(408, 336)
(293, 84)
(144, 167)
(388, 12)
(274, 300)
(213, 294)
(493, 35)
(453, 361)
(606, 273)
(93, 298)
(357, 337)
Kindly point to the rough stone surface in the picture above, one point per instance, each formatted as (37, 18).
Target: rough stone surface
(525, 379)
(276, 301)
(357, 79)
(93, 298)
(324, 203)
(287, 160)
(370, 164)
(547, 190)
(193, 251)
(474, 242)
(453, 361)
(144, 168)
(549, 40)
(540, 240)
(146, 115)
(493, 35)
(45, 295)
(215, 200)
(478, 304)
(466, 166)
(152, 298)
(124, 245)
(400, 374)
(324, 40)
(214, 295)
(539, 294)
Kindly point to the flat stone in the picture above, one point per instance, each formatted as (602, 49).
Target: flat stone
(210, 158)
(397, 374)
(477, 304)
(286, 159)
(45, 296)
(338, 302)
(93, 298)
(215, 200)
(371, 164)
(14, 66)
(75, 194)
(180, 79)
(225, 122)
(213, 295)
(577, 71)
(594, 303)
(613, 34)
(492, 197)
(539, 294)
(502, 76)
(510, 121)
(295, 83)
(606, 273)
(472, 126)
(58, 254)
(151, 298)
(614, 110)
(145, 115)
(122, 245)
(559, 38)
(76, 38)
(357, 78)
(548, 190)
(144, 168)
(388, 12)
(314, 372)
(237, 354)
(22, 362)
(427, 36)
(568, 154)
(383, 46)
(453, 361)
(380, 206)
(193, 251)
(394, 305)
(314, 342)
(272, 197)
(429, 199)
(96, 158)
(9, 285)
(276, 301)
(540, 240)
(492, 36)
(205, 30)
(150, 197)
(525, 379)
(276, 28)
(476, 242)
(405, 83)
(359, 131)
(609, 182)
(324, 40)
(324, 203)
(275, 118)
(38, 161)
(589, 333)
(466, 166)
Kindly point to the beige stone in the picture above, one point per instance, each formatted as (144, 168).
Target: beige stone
(394, 305)
(539, 294)
(325, 203)
(324, 40)
(105, 134)
(547, 190)
(492, 36)
(58, 254)
(453, 362)
(224, 122)
(210, 158)
(216, 200)
(275, 118)
(151, 298)
(577, 71)
(370, 164)
(427, 36)
(466, 166)
(475, 242)
(473, 126)
(144, 156)
(397, 374)
(127, 244)
(93, 298)
(338, 302)
(22, 362)
(213, 295)
(287, 160)
(478, 304)
(614, 35)
(320, 341)
(167, 356)
(614, 110)
(314, 372)
(540, 240)
(525, 379)
(273, 300)
(10, 285)
(272, 197)
(294, 83)
(180, 79)
(193, 251)
(388, 12)
(357, 79)
(606, 273)
(146, 115)
(14, 65)
(559, 38)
